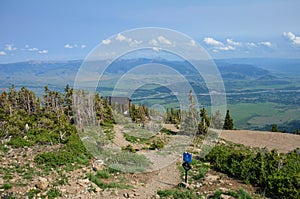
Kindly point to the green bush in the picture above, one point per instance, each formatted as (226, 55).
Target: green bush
(176, 194)
(240, 194)
(201, 169)
(32, 193)
(157, 144)
(130, 138)
(278, 174)
(103, 174)
(19, 142)
(128, 162)
(53, 193)
(128, 148)
(72, 152)
(6, 186)
(167, 131)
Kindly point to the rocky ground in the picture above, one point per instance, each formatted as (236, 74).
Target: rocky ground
(20, 177)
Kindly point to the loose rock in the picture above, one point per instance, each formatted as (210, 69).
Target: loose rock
(42, 183)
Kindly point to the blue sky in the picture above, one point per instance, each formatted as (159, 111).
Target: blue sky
(64, 30)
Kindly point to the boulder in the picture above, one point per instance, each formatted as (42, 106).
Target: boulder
(42, 183)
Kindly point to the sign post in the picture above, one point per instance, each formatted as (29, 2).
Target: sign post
(187, 159)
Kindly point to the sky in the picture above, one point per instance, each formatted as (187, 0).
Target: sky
(67, 30)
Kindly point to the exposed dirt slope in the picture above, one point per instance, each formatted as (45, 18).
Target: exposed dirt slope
(283, 142)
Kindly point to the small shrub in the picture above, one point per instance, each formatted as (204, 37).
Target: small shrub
(32, 193)
(167, 131)
(201, 169)
(73, 152)
(28, 176)
(103, 174)
(102, 185)
(242, 194)
(19, 142)
(6, 186)
(128, 162)
(61, 181)
(130, 138)
(3, 148)
(176, 194)
(217, 195)
(53, 193)
(109, 134)
(129, 148)
(157, 144)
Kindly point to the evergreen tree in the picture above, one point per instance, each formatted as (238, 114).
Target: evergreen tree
(228, 124)
(99, 108)
(108, 112)
(68, 102)
(191, 117)
(172, 116)
(168, 116)
(204, 123)
(216, 120)
(274, 128)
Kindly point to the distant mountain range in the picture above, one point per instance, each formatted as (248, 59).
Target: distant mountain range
(60, 73)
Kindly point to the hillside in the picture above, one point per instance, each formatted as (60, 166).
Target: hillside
(27, 178)
(283, 142)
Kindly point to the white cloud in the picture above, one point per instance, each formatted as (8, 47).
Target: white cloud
(153, 42)
(106, 41)
(135, 42)
(164, 40)
(43, 51)
(292, 37)
(160, 40)
(121, 37)
(265, 43)
(230, 44)
(212, 42)
(251, 44)
(233, 43)
(68, 46)
(33, 49)
(74, 46)
(155, 49)
(225, 48)
(192, 43)
(2, 53)
(219, 46)
(10, 47)
(26, 46)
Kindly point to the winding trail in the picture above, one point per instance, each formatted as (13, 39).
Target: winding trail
(163, 174)
(119, 139)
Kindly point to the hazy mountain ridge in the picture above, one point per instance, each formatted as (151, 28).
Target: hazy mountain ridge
(60, 73)
(229, 68)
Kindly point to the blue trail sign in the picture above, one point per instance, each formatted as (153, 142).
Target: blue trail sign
(187, 159)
